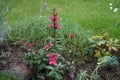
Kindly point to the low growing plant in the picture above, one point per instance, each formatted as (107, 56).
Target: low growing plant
(104, 46)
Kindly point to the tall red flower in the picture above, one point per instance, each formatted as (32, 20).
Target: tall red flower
(55, 20)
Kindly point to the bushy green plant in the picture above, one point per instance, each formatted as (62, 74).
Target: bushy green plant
(108, 62)
(78, 44)
(7, 77)
(39, 65)
(31, 28)
(83, 75)
(103, 45)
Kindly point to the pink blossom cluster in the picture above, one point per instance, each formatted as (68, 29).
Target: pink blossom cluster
(48, 46)
(52, 58)
(55, 20)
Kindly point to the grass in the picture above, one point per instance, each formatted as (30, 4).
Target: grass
(6, 77)
(90, 14)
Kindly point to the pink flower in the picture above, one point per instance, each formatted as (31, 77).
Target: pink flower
(49, 55)
(71, 36)
(48, 46)
(55, 56)
(30, 45)
(50, 25)
(52, 58)
(50, 18)
(52, 61)
(58, 26)
(56, 19)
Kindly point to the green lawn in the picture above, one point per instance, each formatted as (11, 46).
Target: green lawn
(90, 14)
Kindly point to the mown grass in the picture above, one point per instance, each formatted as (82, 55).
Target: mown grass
(90, 14)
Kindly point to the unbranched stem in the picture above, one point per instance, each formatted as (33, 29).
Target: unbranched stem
(54, 32)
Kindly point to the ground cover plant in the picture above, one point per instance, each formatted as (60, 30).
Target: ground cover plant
(36, 46)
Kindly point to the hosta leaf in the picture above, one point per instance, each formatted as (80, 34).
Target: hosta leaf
(112, 48)
(116, 41)
(107, 54)
(97, 54)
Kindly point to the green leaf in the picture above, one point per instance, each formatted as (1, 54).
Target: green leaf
(50, 67)
(51, 73)
(58, 76)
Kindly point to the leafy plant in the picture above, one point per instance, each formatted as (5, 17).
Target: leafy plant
(4, 25)
(75, 38)
(108, 62)
(46, 62)
(41, 65)
(82, 75)
(103, 45)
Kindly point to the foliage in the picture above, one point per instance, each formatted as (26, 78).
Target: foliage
(83, 75)
(30, 28)
(7, 77)
(39, 64)
(108, 62)
(103, 45)
(4, 25)
(46, 61)
(78, 44)
(79, 11)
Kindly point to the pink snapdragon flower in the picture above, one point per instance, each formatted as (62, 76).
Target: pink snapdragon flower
(58, 26)
(50, 18)
(49, 55)
(55, 20)
(52, 61)
(71, 36)
(50, 25)
(52, 58)
(48, 46)
(30, 45)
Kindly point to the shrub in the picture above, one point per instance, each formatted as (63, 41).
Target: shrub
(75, 38)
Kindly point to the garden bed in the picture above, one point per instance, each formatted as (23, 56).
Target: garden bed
(15, 62)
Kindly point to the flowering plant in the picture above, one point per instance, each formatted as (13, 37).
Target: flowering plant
(45, 62)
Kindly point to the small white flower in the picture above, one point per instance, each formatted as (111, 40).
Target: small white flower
(115, 10)
(110, 4)
(111, 7)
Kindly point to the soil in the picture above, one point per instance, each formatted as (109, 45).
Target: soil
(13, 60)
